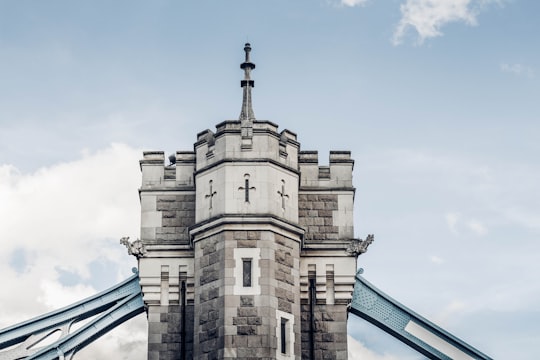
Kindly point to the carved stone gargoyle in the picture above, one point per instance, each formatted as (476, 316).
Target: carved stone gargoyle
(359, 246)
(135, 248)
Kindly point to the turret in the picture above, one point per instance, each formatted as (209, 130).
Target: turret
(246, 244)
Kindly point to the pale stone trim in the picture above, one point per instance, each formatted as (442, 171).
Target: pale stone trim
(245, 223)
(244, 253)
(290, 336)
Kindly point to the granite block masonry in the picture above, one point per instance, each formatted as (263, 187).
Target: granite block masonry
(245, 245)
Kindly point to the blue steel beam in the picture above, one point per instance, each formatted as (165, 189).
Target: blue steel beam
(381, 310)
(115, 305)
(69, 345)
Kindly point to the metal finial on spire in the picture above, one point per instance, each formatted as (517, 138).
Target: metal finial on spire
(247, 84)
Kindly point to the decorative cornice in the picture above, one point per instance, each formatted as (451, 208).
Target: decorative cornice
(242, 160)
(244, 222)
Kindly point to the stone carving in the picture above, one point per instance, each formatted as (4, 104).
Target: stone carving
(212, 193)
(210, 138)
(282, 194)
(246, 188)
(135, 248)
(359, 246)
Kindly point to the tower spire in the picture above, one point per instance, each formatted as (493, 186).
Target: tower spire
(247, 84)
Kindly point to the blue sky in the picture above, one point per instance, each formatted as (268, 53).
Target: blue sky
(437, 100)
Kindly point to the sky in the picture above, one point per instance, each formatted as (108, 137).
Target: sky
(438, 101)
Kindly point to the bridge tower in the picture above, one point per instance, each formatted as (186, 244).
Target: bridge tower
(246, 245)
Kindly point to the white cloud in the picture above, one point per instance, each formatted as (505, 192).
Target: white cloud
(518, 69)
(479, 191)
(436, 259)
(427, 17)
(477, 227)
(66, 218)
(352, 3)
(55, 295)
(454, 308)
(357, 351)
(126, 342)
(523, 218)
(451, 221)
(455, 222)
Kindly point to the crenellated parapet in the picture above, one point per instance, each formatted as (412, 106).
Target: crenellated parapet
(338, 174)
(157, 174)
(226, 144)
(239, 180)
(326, 196)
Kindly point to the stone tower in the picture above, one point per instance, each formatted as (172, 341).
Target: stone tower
(245, 245)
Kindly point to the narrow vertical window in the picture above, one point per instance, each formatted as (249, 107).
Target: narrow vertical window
(283, 335)
(247, 273)
(246, 270)
(246, 187)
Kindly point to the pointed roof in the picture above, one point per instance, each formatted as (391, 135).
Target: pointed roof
(247, 84)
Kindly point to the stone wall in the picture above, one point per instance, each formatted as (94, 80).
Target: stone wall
(316, 215)
(330, 331)
(246, 326)
(209, 300)
(287, 284)
(286, 273)
(164, 328)
(250, 340)
(178, 213)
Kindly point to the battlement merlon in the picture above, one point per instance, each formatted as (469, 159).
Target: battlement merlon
(281, 148)
(185, 167)
(229, 143)
(337, 175)
(152, 168)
